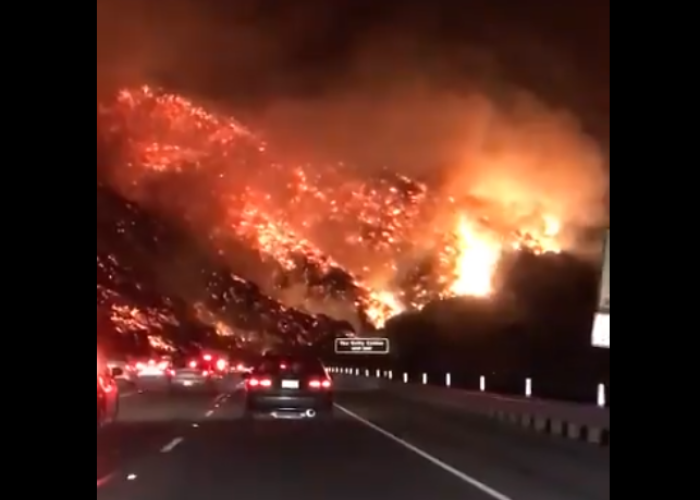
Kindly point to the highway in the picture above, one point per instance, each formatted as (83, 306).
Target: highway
(196, 446)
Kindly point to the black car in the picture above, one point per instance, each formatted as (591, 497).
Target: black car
(289, 387)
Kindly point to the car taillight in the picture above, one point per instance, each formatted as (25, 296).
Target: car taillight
(193, 364)
(255, 383)
(321, 384)
(205, 373)
(221, 365)
(106, 386)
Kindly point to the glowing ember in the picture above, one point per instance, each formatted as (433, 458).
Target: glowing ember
(209, 318)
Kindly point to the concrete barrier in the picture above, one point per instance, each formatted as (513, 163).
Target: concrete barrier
(590, 424)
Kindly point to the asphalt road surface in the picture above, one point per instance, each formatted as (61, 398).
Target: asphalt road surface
(196, 447)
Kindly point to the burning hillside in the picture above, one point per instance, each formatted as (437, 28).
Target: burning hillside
(125, 282)
(136, 295)
(322, 238)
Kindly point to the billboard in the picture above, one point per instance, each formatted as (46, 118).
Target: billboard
(601, 322)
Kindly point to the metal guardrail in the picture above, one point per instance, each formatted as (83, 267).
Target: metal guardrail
(588, 423)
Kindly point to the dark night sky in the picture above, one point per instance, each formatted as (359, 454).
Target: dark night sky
(250, 52)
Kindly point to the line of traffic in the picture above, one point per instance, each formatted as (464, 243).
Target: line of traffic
(455, 455)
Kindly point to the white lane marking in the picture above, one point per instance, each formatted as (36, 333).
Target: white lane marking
(170, 447)
(484, 488)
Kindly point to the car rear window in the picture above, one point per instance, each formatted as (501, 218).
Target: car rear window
(291, 366)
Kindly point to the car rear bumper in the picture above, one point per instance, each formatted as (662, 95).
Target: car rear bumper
(271, 403)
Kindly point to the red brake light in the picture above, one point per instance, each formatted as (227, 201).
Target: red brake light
(321, 384)
(221, 365)
(106, 386)
(193, 364)
(255, 383)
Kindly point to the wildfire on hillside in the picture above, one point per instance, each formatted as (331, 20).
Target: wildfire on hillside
(329, 218)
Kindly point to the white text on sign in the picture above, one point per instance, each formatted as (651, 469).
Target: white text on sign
(362, 346)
